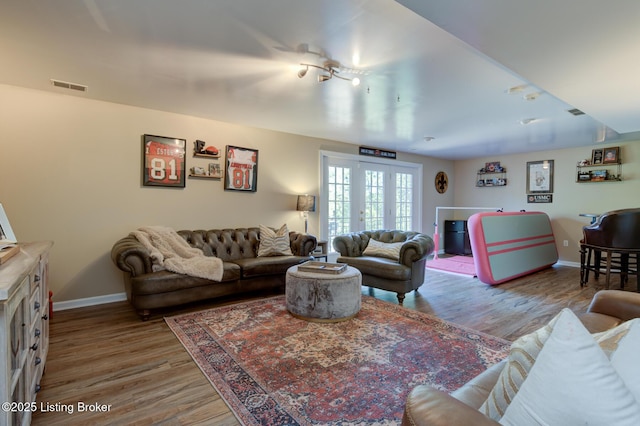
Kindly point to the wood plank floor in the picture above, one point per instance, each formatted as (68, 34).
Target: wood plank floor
(106, 354)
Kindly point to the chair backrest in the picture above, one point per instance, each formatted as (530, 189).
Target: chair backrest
(615, 229)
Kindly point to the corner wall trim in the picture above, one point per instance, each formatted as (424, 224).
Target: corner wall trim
(89, 301)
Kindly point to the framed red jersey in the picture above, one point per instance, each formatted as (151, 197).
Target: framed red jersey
(241, 171)
(163, 161)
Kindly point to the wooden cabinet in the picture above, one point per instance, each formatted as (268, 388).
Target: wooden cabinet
(24, 330)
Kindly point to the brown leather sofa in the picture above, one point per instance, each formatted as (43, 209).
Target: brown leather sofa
(244, 271)
(427, 406)
(400, 276)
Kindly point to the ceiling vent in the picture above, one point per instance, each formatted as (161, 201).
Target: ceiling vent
(70, 86)
(575, 111)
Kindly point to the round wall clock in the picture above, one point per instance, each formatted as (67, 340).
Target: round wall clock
(442, 182)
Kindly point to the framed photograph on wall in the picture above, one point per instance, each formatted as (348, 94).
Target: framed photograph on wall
(241, 169)
(611, 155)
(7, 237)
(539, 177)
(163, 161)
(596, 156)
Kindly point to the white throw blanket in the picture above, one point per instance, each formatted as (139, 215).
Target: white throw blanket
(171, 252)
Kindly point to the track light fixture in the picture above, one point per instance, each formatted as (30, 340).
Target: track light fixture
(331, 68)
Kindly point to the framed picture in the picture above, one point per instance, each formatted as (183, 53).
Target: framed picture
(163, 161)
(596, 156)
(241, 169)
(215, 170)
(611, 155)
(7, 237)
(539, 177)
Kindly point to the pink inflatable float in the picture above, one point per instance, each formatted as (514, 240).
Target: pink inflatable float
(507, 245)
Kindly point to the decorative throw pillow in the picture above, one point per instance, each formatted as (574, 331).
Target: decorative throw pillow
(572, 383)
(380, 249)
(610, 340)
(274, 243)
(522, 356)
(625, 356)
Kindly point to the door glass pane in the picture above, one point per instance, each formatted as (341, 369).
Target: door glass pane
(404, 201)
(374, 200)
(339, 201)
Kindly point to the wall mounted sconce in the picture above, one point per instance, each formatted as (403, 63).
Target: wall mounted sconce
(306, 204)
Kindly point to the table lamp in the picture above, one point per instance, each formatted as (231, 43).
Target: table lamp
(306, 204)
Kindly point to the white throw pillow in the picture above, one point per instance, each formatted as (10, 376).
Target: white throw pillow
(572, 383)
(522, 356)
(380, 249)
(274, 243)
(625, 358)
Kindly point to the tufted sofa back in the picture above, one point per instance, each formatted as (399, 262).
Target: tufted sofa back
(358, 241)
(231, 244)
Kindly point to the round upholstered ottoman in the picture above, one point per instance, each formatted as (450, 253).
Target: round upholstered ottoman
(323, 297)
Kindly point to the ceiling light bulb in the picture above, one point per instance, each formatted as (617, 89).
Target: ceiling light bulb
(323, 77)
(303, 72)
(355, 81)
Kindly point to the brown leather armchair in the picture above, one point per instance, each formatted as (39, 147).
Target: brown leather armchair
(400, 276)
(428, 406)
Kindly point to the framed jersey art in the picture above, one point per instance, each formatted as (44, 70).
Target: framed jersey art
(163, 161)
(241, 169)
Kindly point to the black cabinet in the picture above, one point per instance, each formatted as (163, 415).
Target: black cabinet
(456, 237)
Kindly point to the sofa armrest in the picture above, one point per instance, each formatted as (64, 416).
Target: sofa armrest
(428, 406)
(616, 303)
(302, 244)
(131, 256)
(350, 245)
(416, 248)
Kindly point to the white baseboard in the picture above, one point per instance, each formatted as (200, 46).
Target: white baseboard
(89, 301)
(565, 263)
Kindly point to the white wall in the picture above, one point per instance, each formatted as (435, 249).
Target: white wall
(71, 173)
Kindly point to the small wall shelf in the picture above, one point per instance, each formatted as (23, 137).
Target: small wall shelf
(492, 174)
(490, 179)
(598, 173)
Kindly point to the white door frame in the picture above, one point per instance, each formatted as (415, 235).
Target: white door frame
(324, 157)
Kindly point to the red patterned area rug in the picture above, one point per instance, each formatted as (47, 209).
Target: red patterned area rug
(274, 369)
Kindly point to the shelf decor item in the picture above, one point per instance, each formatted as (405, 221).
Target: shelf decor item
(163, 161)
(493, 167)
(596, 156)
(611, 155)
(201, 149)
(241, 169)
(540, 177)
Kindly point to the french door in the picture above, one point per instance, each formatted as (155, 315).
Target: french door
(368, 195)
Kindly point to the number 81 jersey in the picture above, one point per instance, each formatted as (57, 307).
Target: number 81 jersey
(165, 162)
(241, 169)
